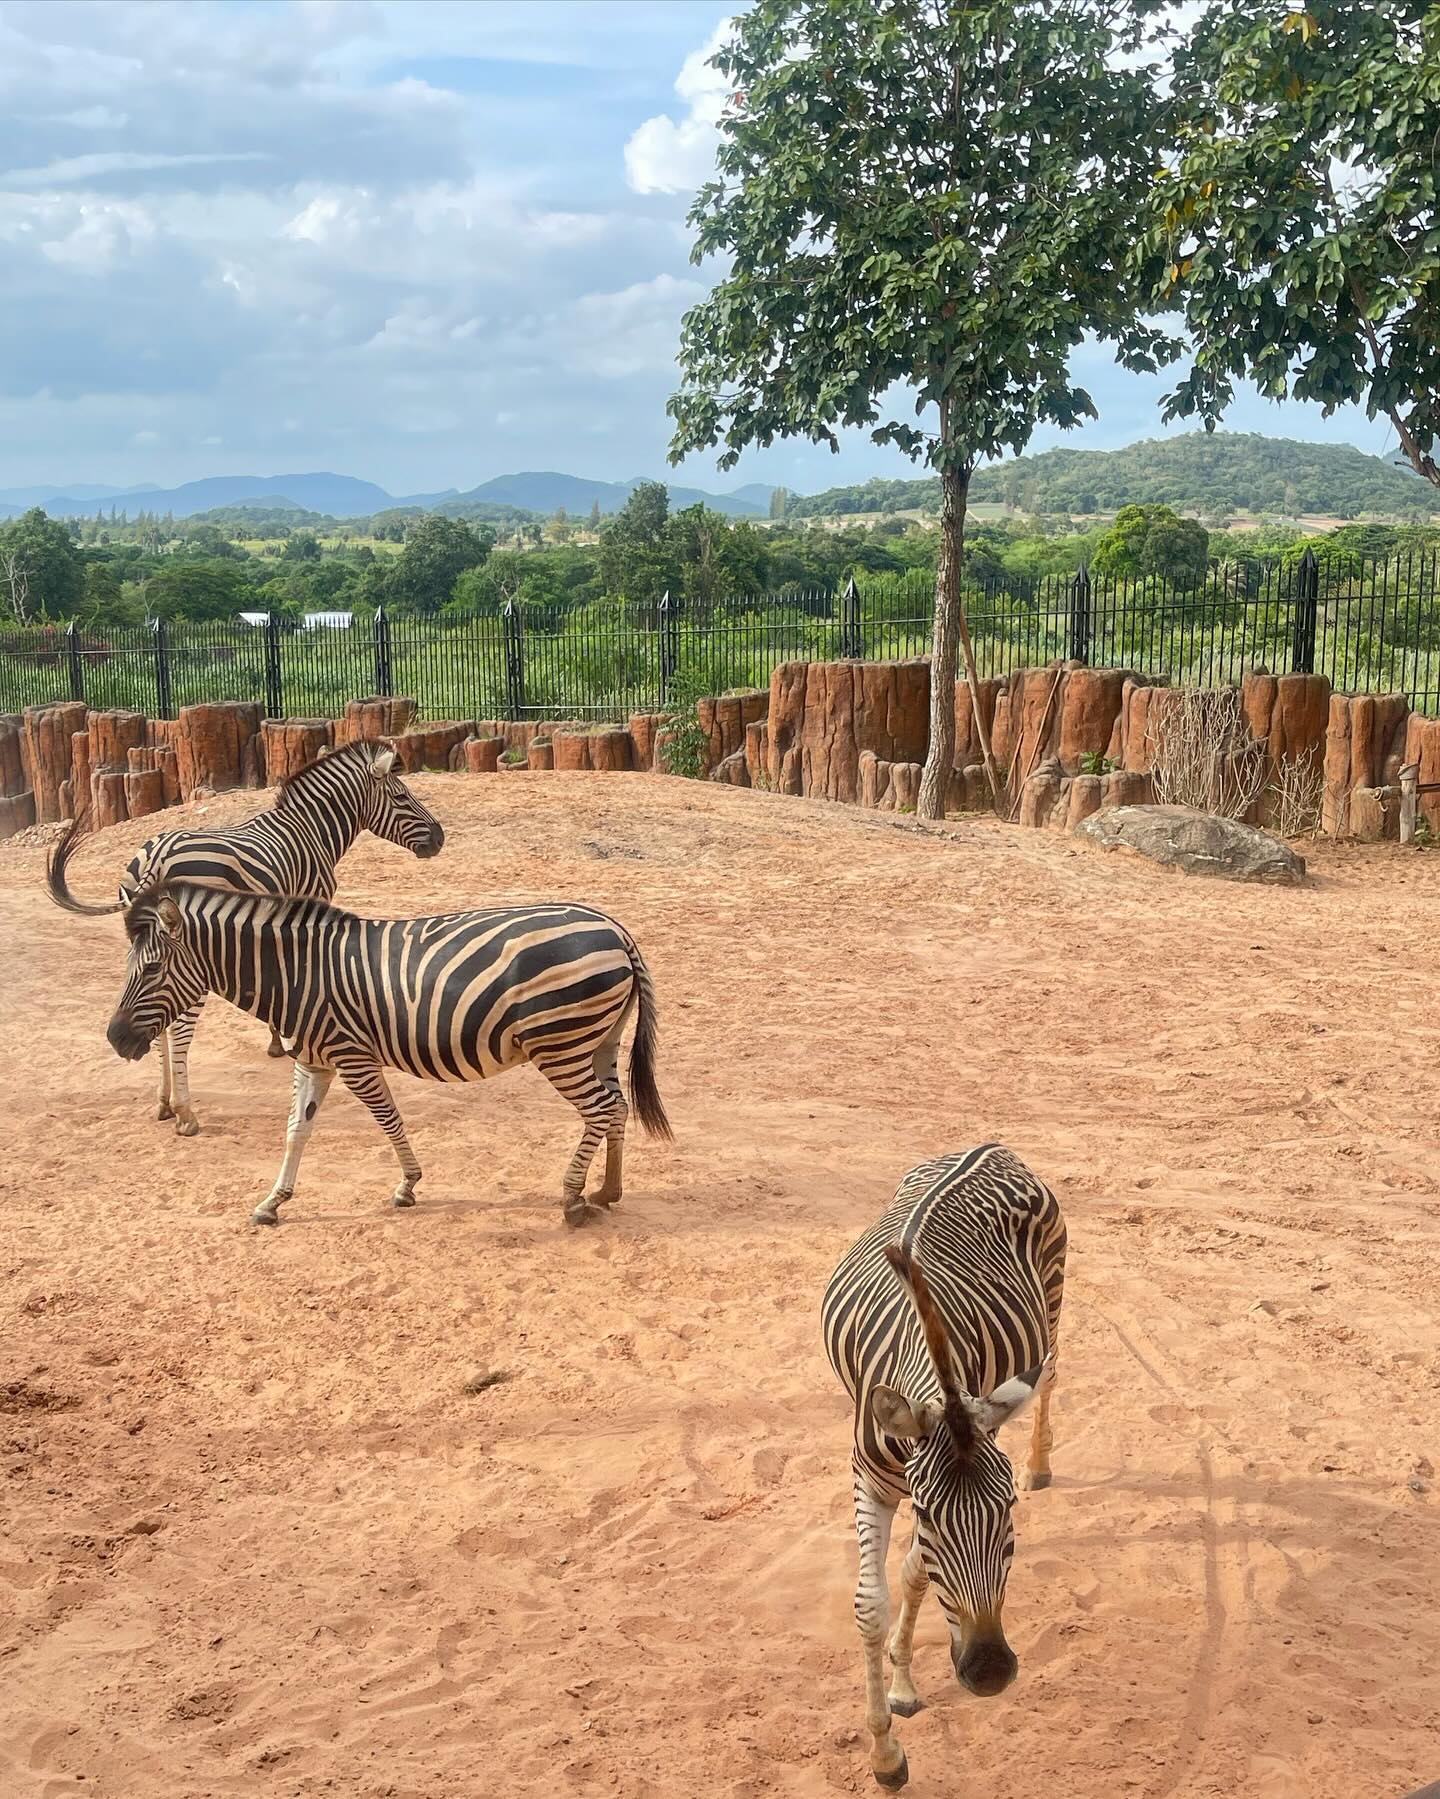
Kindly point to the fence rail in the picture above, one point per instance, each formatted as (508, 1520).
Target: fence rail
(1368, 626)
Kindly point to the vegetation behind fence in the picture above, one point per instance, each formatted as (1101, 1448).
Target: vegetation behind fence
(1368, 625)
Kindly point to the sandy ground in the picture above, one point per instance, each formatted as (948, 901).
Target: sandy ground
(258, 1537)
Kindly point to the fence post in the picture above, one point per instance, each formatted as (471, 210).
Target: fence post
(851, 642)
(1307, 616)
(1080, 616)
(669, 648)
(77, 667)
(163, 705)
(514, 662)
(382, 653)
(274, 693)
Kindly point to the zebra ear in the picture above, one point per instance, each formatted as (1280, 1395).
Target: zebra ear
(896, 1416)
(383, 763)
(169, 915)
(1008, 1400)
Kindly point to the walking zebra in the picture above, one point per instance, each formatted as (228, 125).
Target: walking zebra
(458, 997)
(291, 849)
(941, 1323)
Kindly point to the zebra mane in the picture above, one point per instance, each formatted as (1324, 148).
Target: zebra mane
(145, 899)
(366, 749)
(958, 1419)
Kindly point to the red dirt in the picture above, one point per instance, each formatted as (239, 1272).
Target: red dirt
(259, 1538)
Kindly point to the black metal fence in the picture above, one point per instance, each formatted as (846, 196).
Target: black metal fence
(1369, 626)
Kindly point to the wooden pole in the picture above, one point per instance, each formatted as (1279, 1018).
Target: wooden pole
(1018, 794)
(1409, 800)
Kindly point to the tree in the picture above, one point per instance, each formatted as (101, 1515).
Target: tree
(636, 549)
(212, 588)
(924, 206)
(1298, 224)
(594, 515)
(779, 500)
(437, 552)
(304, 546)
(42, 571)
(1148, 541)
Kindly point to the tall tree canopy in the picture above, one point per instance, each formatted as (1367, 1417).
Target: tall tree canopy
(437, 552)
(41, 572)
(1298, 225)
(925, 207)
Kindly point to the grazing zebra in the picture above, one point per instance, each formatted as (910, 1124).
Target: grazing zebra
(941, 1323)
(458, 997)
(291, 849)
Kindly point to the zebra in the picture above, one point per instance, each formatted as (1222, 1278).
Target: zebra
(942, 1323)
(459, 997)
(293, 848)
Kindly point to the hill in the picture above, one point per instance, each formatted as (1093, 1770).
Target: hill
(344, 497)
(544, 492)
(1223, 473)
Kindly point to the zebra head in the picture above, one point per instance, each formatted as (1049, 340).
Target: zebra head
(962, 1490)
(390, 810)
(164, 977)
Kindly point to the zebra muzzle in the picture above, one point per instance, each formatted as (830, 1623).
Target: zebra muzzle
(127, 1042)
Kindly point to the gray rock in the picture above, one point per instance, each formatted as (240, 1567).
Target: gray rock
(1196, 842)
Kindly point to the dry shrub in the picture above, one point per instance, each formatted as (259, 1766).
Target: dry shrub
(1297, 791)
(1203, 754)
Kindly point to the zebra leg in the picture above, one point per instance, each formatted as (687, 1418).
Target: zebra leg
(913, 1583)
(181, 1035)
(603, 1112)
(1037, 1473)
(606, 1057)
(369, 1086)
(873, 1522)
(163, 1107)
(307, 1094)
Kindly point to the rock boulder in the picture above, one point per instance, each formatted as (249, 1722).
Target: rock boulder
(1197, 843)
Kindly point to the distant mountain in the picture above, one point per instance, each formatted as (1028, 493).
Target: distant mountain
(1212, 475)
(758, 493)
(343, 497)
(337, 496)
(38, 496)
(544, 492)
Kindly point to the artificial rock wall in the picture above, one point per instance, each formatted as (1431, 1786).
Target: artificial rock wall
(1073, 740)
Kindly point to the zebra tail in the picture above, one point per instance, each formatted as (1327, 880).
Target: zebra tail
(644, 1094)
(55, 866)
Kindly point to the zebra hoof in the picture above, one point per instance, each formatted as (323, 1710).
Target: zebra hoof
(1037, 1483)
(596, 1200)
(164, 1111)
(906, 1708)
(187, 1127)
(261, 1216)
(277, 1049)
(401, 1200)
(577, 1216)
(896, 1778)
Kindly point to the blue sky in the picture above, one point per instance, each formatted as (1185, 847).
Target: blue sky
(420, 241)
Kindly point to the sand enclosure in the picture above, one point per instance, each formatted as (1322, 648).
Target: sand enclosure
(258, 1538)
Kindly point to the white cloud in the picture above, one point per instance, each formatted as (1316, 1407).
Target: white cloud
(630, 332)
(119, 162)
(668, 157)
(144, 440)
(103, 233)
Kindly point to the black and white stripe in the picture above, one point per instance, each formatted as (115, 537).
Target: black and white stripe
(459, 997)
(942, 1323)
(292, 848)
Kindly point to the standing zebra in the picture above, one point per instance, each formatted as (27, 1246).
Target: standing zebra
(458, 997)
(291, 849)
(954, 1294)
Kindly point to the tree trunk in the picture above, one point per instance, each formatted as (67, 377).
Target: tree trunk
(952, 636)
